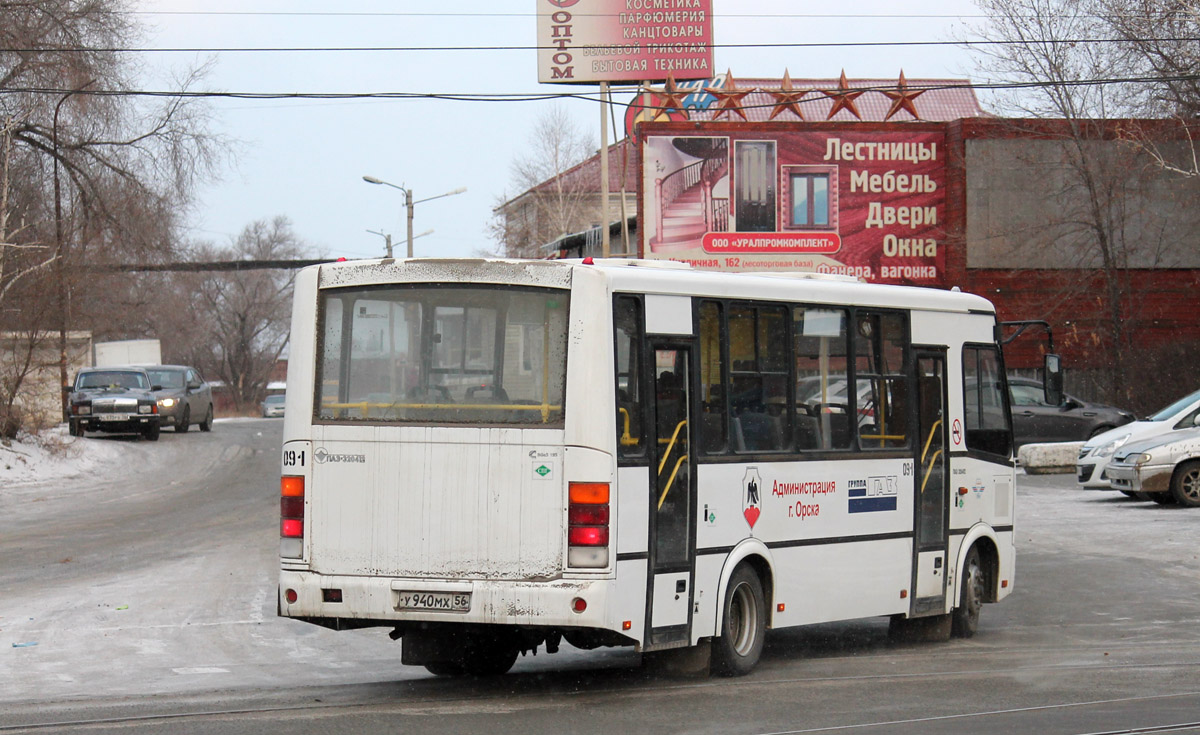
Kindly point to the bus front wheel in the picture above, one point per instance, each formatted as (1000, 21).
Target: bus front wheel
(970, 602)
(737, 650)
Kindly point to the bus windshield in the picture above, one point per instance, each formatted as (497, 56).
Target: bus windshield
(443, 355)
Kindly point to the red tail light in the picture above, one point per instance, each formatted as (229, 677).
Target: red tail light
(588, 524)
(291, 516)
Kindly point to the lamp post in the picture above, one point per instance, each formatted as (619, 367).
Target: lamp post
(387, 237)
(409, 203)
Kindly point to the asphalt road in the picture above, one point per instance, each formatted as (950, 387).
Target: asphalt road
(144, 601)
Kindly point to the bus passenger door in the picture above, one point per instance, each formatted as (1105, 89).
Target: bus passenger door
(931, 480)
(672, 498)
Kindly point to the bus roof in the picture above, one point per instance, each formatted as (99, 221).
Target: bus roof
(656, 276)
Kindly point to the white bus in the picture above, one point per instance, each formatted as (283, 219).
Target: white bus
(490, 456)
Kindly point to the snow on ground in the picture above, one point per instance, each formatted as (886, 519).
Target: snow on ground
(52, 455)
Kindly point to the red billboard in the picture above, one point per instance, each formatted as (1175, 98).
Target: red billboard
(588, 41)
(849, 199)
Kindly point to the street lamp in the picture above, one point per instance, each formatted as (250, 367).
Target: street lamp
(387, 236)
(409, 203)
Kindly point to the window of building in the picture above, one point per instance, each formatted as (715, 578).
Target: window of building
(810, 200)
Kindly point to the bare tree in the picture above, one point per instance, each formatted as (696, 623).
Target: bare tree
(1093, 175)
(1158, 41)
(92, 173)
(247, 313)
(556, 198)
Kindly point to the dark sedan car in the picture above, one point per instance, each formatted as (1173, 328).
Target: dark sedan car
(1034, 420)
(113, 399)
(184, 398)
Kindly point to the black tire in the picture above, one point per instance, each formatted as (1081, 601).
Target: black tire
(735, 652)
(1185, 484)
(445, 668)
(1100, 430)
(151, 432)
(184, 420)
(75, 428)
(206, 424)
(965, 620)
(1167, 498)
(490, 656)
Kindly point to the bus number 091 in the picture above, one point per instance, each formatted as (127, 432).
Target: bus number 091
(292, 458)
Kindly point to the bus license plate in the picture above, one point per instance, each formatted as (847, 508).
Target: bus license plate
(446, 601)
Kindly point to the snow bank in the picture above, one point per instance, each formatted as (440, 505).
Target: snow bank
(52, 455)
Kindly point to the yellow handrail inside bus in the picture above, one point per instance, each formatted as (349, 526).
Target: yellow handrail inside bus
(365, 406)
(925, 481)
(626, 439)
(932, 430)
(670, 481)
(670, 446)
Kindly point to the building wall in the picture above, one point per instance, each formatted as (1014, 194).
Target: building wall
(1019, 233)
(41, 394)
(1027, 206)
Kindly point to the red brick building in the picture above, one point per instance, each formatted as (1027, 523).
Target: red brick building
(1076, 223)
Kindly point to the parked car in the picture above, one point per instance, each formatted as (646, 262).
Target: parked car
(1097, 452)
(1035, 420)
(1166, 467)
(273, 406)
(113, 399)
(184, 398)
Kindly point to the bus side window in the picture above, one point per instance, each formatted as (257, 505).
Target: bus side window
(987, 425)
(881, 394)
(820, 352)
(713, 404)
(627, 328)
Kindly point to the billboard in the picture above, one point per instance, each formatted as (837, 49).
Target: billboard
(860, 200)
(589, 41)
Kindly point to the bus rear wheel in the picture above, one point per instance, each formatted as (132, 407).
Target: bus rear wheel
(974, 592)
(737, 650)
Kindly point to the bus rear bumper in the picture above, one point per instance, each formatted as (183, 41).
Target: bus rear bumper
(362, 601)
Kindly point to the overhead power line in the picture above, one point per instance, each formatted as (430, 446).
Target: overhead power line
(407, 49)
(537, 97)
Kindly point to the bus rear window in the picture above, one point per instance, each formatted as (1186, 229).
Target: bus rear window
(443, 355)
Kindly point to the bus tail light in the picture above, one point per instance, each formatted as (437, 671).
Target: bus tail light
(588, 516)
(291, 517)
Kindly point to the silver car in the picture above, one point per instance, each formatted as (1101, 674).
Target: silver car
(1167, 468)
(273, 406)
(1092, 467)
(184, 398)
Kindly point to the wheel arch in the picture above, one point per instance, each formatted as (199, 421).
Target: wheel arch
(756, 554)
(983, 539)
(1180, 466)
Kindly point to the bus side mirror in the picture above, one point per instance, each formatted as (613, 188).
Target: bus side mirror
(1052, 378)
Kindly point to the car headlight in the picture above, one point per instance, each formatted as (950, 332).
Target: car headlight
(1141, 459)
(82, 410)
(1107, 449)
(145, 408)
(167, 402)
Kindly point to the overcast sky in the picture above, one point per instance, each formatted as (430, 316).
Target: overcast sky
(305, 159)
